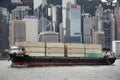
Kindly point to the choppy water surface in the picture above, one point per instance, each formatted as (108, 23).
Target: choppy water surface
(107, 72)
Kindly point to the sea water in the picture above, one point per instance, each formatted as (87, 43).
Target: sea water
(101, 72)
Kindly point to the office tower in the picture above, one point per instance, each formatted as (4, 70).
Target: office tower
(56, 17)
(117, 22)
(15, 3)
(11, 4)
(89, 5)
(99, 18)
(31, 25)
(23, 30)
(52, 11)
(17, 32)
(86, 29)
(4, 17)
(19, 12)
(73, 23)
(99, 34)
(108, 28)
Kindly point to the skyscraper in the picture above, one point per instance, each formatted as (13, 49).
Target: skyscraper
(15, 3)
(108, 28)
(4, 17)
(73, 23)
(89, 5)
(98, 18)
(117, 21)
(51, 10)
(86, 19)
(19, 12)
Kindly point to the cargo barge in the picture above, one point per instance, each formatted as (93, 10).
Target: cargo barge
(58, 54)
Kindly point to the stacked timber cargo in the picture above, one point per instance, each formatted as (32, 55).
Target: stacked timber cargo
(34, 49)
(55, 49)
(93, 50)
(75, 50)
(62, 50)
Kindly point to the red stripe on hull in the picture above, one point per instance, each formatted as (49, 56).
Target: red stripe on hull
(52, 64)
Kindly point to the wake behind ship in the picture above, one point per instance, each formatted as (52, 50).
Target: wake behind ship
(58, 54)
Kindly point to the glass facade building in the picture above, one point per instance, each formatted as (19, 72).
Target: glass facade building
(86, 19)
(73, 23)
(52, 11)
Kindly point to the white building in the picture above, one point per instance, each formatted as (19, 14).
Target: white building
(116, 47)
(17, 32)
(49, 36)
(31, 28)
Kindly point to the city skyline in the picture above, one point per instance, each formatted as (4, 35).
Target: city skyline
(38, 2)
(53, 19)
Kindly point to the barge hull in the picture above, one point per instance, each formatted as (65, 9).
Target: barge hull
(59, 61)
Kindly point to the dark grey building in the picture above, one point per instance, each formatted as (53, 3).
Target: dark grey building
(10, 4)
(108, 28)
(4, 17)
(19, 12)
(89, 5)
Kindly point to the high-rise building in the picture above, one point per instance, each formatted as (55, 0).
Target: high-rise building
(17, 32)
(4, 17)
(108, 28)
(86, 29)
(56, 17)
(89, 5)
(99, 34)
(15, 3)
(73, 23)
(117, 22)
(31, 24)
(25, 30)
(99, 18)
(11, 4)
(20, 12)
(56, 7)
(52, 11)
